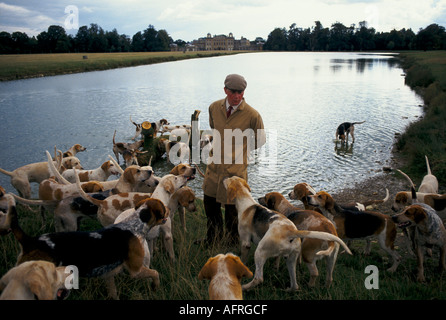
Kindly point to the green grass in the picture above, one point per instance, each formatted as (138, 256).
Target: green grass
(426, 74)
(179, 281)
(14, 67)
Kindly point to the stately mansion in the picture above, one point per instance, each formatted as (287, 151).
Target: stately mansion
(224, 42)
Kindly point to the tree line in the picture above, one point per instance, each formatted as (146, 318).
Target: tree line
(342, 38)
(87, 39)
(317, 38)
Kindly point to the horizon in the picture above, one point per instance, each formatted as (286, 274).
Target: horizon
(189, 20)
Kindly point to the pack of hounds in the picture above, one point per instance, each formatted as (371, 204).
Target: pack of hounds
(138, 207)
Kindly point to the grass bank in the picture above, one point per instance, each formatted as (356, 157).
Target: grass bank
(426, 74)
(13, 67)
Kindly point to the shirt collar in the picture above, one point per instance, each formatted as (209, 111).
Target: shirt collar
(233, 107)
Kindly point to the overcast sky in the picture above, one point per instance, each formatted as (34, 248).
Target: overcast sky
(192, 19)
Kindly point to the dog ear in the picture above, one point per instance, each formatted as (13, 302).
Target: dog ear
(129, 174)
(237, 266)
(169, 187)
(208, 270)
(246, 185)
(40, 287)
(155, 210)
(232, 192)
(419, 214)
(329, 201)
(270, 201)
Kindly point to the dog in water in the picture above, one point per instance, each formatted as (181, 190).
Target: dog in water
(344, 129)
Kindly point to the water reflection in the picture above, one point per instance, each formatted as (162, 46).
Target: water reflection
(343, 149)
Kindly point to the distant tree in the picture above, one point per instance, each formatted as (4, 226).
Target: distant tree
(277, 40)
(295, 39)
(82, 39)
(6, 43)
(97, 40)
(163, 41)
(124, 43)
(150, 39)
(53, 40)
(22, 43)
(340, 37)
(433, 37)
(113, 44)
(319, 37)
(364, 37)
(137, 42)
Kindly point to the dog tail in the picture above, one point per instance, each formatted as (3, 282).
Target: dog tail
(54, 170)
(35, 202)
(407, 177)
(8, 173)
(428, 166)
(353, 123)
(83, 194)
(114, 134)
(322, 236)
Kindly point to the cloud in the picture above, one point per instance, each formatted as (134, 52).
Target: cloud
(17, 18)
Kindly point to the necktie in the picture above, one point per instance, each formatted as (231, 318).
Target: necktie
(228, 112)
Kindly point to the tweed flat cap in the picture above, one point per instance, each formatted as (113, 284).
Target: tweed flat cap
(235, 82)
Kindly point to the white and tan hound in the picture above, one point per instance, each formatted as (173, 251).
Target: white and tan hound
(73, 151)
(101, 173)
(274, 234)
(225, 271)
(22, 177)
(312, 249)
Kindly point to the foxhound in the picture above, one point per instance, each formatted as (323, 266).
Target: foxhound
(312, 249)
(22, 177)
(429, 231)
(428, 186)
(225, 272)
(101, 173)
(73, 150)
(344, 129)
(274, 234)
(354, 224)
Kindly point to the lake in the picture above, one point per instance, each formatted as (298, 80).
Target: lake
(302, 98)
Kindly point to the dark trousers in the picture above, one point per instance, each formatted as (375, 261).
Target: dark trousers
(215, 224)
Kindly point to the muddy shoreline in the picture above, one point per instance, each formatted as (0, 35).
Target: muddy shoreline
(374, 188)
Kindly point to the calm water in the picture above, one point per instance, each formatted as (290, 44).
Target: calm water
(302, 98)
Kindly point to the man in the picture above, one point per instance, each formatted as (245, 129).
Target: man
(232, 116)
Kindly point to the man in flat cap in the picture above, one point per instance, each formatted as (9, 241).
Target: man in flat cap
(228, 115)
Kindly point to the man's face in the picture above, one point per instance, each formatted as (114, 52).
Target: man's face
(234, 96)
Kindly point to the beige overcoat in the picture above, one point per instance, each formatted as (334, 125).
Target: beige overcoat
(232, 163)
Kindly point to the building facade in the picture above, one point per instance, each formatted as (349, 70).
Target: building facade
(224, 43)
